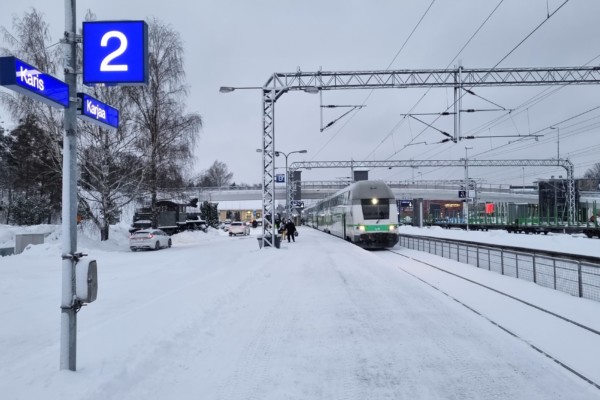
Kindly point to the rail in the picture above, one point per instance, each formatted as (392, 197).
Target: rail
(570, 273)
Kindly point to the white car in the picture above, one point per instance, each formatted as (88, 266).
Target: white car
(238, 228)
(149, 239)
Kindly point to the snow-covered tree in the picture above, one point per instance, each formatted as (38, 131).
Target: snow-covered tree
(29, 210)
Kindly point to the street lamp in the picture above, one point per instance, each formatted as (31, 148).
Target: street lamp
(557, 142)
(288, 210)
(466, 207)
(229, 89)
(270, 96)
(307, 89)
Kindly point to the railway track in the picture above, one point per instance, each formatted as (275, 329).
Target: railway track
(474, 295)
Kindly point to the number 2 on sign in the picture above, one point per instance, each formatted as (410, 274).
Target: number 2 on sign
(105, 66)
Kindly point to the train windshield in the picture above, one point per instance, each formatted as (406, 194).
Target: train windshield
(375, 208)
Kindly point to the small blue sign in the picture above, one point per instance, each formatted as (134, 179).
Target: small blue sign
(25, 79)
(280, 178)
(97, 112)
(115, 53)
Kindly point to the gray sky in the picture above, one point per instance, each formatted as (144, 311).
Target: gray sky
(241, 43)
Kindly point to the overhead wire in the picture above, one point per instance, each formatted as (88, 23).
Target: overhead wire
(511, 51)
(429, 89)
(372, 90)
(526, 105)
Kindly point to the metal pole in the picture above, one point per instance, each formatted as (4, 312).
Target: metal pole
(558, 143)
(287, 193)
(68, 321)
(466, 208)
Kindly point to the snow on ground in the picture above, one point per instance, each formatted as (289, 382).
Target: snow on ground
(575, 244)
(215, 317)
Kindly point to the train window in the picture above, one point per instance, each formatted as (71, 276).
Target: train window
(380, 210)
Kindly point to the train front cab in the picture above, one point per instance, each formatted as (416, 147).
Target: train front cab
(375, 230)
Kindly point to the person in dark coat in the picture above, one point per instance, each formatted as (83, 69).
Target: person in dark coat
(290, 230)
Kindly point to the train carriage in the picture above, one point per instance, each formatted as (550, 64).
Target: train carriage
(364, 213)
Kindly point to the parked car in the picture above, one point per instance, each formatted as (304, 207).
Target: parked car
(238, 228)
(149, 239)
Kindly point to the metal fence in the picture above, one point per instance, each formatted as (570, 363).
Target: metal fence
(577, 277)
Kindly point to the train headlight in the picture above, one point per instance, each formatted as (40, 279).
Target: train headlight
(361, 228)
(374, 201)
(393, 228)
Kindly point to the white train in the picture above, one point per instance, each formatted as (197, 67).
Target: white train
(364, 213)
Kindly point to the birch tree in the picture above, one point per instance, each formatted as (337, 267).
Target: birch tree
(112, 170)
(30, 41)
(168, 133)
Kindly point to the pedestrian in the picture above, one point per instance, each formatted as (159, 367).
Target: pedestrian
(290, 230)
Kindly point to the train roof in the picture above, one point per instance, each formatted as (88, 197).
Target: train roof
(367, 189)
(363, 189)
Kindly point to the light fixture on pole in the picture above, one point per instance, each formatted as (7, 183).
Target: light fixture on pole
(557, 142)
(270, 95)
(288, 210)
(229, 89)
(467, 197)
(307, 89)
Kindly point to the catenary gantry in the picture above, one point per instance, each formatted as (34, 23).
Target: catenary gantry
(566, 164)
(458, 78)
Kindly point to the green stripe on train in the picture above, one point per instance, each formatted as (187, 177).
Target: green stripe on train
(375, 228)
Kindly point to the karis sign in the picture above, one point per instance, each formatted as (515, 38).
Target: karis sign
(115, 53)
(97, 112)
(28, 80)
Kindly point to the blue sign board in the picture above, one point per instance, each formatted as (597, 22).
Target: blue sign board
(280, 178)
(97, 112)
(115, 53)
(25, 79)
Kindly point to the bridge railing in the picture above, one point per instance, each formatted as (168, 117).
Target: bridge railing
(575, 275)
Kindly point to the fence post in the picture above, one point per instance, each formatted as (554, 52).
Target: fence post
(502, 261)
(554, 272)
(517, 264)
(534, 270)
(477, 255)
(579, 280)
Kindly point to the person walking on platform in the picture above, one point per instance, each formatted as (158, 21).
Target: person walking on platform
(290, 230)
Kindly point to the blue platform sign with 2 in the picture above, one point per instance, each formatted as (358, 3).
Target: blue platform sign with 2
(28, 80)
(115, 53)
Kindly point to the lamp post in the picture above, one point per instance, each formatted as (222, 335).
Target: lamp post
(466, 208)
(557, 142)
(288, 210)
(270, 96)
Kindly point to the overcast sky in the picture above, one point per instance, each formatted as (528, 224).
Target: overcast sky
(242, 43)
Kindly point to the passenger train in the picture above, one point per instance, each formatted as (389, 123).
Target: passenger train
(364, 213)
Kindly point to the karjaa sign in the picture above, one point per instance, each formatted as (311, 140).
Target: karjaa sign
(97, 112)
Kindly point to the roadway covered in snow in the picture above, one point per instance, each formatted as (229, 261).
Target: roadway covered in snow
(215, 317)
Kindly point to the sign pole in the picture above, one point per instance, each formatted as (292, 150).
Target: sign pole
(68, 323)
